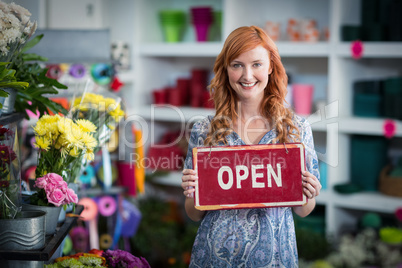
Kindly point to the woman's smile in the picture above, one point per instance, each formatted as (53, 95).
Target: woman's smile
(249, 73)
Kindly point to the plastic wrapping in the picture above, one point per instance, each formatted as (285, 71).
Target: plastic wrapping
(103, 109)
(10, 172)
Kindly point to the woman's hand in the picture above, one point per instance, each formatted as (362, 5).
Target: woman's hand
(311, 185)
(189, 181)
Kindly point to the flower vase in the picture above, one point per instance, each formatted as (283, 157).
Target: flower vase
(52, 216)
(9, 101)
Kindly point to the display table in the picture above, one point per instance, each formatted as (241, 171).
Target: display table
(51, 243)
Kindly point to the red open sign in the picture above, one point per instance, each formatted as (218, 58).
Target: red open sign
(249, 176)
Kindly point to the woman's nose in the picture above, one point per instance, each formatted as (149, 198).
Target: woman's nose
(247, 73)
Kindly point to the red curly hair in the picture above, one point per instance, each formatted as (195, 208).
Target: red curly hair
(272, 107)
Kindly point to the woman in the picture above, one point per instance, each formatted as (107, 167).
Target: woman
(249, 90)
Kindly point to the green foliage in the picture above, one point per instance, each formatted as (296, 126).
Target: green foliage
(311, 245)
(29, 70)
(8, 80)
(162, 237)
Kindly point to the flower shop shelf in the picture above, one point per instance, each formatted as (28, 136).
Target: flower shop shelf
(367, 126)
(51, 244)
(11, 118)
(372, 49)
(212, 49)
(370, 201)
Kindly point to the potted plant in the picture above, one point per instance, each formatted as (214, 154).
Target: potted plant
(23, 81)
(30, 68)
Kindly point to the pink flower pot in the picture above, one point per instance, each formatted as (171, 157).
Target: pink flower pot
(303, 98)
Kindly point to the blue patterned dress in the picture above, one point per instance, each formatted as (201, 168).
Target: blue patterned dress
(248, 237)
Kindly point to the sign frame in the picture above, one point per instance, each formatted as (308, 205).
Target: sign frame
(198, 199)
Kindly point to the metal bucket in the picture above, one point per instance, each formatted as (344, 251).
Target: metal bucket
(9, 101)
(25, 232)
(52, 216)
(21, 264)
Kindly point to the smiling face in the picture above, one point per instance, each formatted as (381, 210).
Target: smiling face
(248, 74)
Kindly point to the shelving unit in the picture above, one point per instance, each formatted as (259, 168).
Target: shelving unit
(331, 61)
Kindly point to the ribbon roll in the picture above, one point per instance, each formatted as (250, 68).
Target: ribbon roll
(54, 72)
(115, 174)
(101, 73)
(105, 241)
(107, 206)
(89, 215)
(77, 70)
(87, 175)
(90, 209)
(79, 236)
(68, 245)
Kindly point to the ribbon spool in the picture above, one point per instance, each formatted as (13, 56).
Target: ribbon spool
(101, 174)
(105, 241)
(68, 245)
(54, 72)
(107, 206)
(101, 73)
(77, 70)
(90, 209)
(87, 175)
(79, 236)
(89, 215)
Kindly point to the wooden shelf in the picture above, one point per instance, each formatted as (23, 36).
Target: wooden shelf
(51, 244)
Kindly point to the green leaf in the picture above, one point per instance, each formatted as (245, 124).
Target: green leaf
(33, 57)
(16, 85)
(3, 93)
(31, 43)
(50, 81)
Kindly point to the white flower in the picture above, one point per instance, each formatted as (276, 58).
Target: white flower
(15, 29)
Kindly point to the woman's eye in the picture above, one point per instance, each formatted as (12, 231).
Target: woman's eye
(236, 65)
(257, 64)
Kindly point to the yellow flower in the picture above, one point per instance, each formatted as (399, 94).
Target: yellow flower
(89, 155)
(74, 136)
(42, 143)
(75, 152)
(39, 129)
(85, 125)
(65, 125)
(89, 141)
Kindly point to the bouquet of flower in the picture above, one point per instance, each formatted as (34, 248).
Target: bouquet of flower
(53, 190)
(120, 258)
(104, 113)
(15, 29)
(62, 143)
(98, 258)
(78, 260)
(9, 175)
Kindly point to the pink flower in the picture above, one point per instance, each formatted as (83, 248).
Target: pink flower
(56, 179)
(56, 197)
(71, 197)
(50, 187)
(41, 183)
